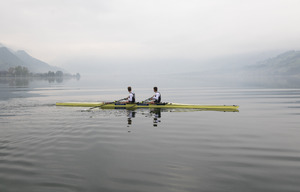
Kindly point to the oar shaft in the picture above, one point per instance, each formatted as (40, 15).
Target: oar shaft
(105, 103)
(136, 103)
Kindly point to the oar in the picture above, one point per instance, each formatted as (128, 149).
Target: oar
(105, 104)
(137, 103)
(146, 99)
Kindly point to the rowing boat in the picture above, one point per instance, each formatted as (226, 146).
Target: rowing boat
(147, 105)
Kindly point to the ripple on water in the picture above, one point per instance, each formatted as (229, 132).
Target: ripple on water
(46, 148)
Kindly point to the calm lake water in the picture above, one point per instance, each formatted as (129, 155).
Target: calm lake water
(65, 149)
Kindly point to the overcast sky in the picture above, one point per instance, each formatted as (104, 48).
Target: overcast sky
(62, 32)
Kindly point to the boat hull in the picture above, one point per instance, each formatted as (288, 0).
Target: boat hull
(80, 104)
(143, 105)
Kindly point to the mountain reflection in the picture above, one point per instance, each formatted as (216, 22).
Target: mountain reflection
(26, 81)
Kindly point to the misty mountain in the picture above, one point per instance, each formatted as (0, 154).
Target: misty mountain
(285, 64)
(35, 65)
(10, 58)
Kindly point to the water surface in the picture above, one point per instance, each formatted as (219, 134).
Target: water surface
(49, 148)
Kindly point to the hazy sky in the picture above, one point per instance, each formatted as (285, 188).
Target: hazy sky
(66, 32)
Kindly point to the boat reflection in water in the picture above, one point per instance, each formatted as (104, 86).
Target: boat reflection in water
(155, 113)
(130, 115)
(156, 116)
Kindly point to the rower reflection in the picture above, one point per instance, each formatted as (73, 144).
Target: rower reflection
(156, 113)
(130, 115)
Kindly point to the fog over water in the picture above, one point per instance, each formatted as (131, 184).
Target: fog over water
(195, 51)
(160, 36)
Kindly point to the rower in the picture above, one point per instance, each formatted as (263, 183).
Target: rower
(156, 98)
(131, 97)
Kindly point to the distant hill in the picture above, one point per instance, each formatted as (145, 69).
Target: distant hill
(281, 71)
(286, 64)
(9, 58)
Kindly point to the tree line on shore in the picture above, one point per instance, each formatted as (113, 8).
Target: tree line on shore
(20, 71)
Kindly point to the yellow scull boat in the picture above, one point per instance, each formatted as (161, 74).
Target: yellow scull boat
(146, 105)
